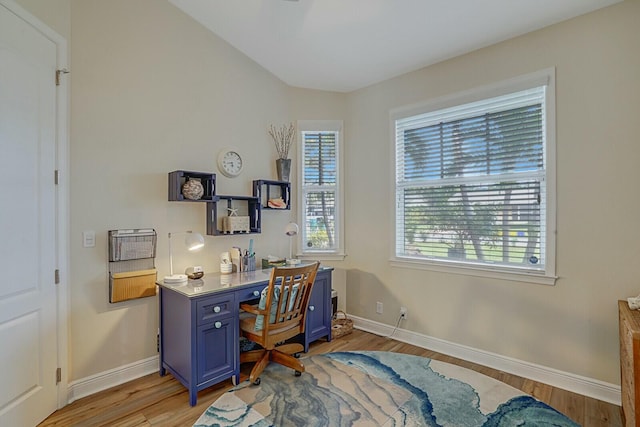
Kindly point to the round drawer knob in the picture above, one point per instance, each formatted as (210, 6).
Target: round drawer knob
(218, 325)
(256, 293)
(216, 309)
(311, 308)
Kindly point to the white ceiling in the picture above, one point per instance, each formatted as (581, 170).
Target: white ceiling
(343, 45)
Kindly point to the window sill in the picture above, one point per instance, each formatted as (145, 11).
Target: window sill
(528, 277)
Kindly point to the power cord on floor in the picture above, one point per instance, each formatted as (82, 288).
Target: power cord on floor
(402, 316)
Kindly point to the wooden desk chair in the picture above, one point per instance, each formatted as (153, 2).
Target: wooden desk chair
(279, 316)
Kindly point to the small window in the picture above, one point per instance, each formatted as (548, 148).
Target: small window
(320, 188)
(473, 183)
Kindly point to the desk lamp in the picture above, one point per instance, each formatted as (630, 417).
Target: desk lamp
(291, 230)
(193, 242)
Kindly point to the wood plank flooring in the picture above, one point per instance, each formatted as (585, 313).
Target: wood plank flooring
(162, 401)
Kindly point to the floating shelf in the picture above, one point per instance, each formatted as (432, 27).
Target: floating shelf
(220, 207)
(265, 190)
(178, 178)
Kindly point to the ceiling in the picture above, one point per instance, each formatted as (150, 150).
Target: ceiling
(344, 45)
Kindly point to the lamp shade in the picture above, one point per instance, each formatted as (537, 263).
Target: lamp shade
(193, 242)
(291, 229)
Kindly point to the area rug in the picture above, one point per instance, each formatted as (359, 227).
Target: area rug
(371, 388)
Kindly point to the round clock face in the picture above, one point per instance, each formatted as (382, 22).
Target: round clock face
(230, 163)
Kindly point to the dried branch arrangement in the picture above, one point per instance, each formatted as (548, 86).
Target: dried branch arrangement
(283, 138)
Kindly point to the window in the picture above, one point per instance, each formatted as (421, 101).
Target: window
(320, 189)
(474, 185)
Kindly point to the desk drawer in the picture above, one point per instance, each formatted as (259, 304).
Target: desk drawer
(214, 308)
(250, 293)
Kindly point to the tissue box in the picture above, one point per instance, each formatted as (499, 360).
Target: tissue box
(231, 224)
(268, 264)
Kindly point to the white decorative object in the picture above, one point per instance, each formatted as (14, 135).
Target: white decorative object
(231, 224)
(193, 189)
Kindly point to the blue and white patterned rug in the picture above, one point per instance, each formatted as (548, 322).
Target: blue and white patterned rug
(372, 388)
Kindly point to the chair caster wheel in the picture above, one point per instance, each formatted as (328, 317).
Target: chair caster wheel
(297, 355)
(297, 373)
(257, 381)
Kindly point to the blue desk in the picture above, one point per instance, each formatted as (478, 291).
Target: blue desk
(199, 325)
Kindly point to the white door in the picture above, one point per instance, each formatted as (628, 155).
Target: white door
(28, 328)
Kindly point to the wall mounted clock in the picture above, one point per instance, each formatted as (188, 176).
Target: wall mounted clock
(230, 162)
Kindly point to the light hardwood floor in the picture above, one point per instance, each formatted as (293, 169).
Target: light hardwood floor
(162, 401)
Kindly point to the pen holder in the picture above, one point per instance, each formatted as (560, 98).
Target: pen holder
(249, 262)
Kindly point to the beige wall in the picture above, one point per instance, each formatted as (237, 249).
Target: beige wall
(55, 13)
(572, 326)
(152, 92)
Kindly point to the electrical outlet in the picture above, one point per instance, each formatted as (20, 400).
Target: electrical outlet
(403, 312)
(379, 307)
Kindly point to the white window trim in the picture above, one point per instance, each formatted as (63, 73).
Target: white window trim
(539, 78)
(325, 255)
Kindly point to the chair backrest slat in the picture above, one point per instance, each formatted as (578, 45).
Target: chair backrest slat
(291, 287)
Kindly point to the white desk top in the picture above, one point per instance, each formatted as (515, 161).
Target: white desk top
(218, 282)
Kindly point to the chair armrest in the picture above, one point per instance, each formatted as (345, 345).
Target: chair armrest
(253, 309)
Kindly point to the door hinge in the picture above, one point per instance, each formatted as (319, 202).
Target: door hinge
(57, 276)
(58, 72)
(56, 176)
(58, 375)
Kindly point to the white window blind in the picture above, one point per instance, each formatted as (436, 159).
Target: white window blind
(319, 191)
(471, 183)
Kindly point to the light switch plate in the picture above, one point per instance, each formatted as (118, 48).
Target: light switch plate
(88, 239)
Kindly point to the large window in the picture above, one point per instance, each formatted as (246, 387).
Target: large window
(473, 182)
(320, 188)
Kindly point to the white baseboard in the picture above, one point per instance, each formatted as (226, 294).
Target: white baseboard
(111, 378)
(586, 386)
